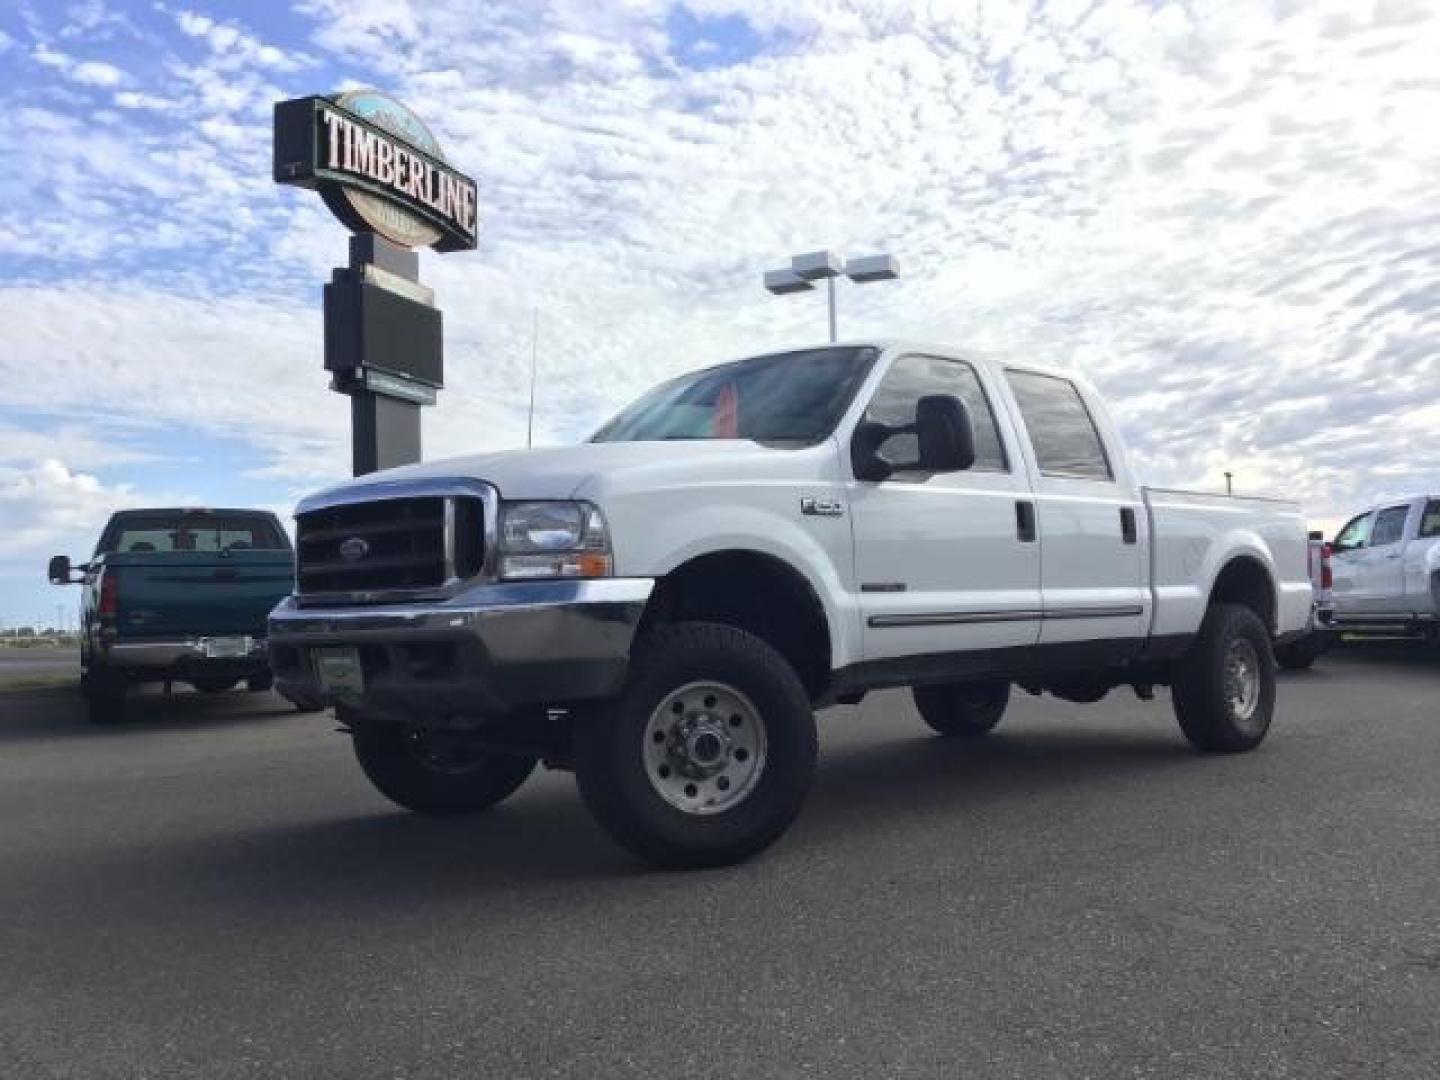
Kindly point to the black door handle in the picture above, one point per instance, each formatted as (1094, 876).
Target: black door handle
(1127, 524)
(1025, 521)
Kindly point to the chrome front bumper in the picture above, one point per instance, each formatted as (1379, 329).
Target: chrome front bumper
(487, 650)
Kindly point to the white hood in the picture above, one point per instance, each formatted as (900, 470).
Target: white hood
(559, 472)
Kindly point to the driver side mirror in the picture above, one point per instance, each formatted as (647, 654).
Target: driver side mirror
(60, 572)
(944, 441)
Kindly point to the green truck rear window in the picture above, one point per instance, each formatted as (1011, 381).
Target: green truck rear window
(200, 532)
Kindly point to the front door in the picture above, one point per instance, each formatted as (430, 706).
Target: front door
(1381, 570)
(945, 562)
(1347, 564)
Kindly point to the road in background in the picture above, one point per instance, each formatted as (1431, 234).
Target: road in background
(23, 663)
(215, 891)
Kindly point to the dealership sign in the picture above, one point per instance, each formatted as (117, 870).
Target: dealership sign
(378, 168)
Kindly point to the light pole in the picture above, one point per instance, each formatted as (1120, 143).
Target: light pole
(805, 270)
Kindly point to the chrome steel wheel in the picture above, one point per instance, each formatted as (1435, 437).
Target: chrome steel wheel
(1242, 679)
(704, 748)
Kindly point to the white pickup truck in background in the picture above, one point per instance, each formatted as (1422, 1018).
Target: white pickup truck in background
(662, 608)
(1386, 568)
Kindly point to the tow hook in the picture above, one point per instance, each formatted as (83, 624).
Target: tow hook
(1144, 691)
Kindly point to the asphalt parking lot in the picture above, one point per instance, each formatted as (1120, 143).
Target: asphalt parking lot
(214, 890)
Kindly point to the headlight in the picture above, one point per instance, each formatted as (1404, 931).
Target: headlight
(553, 539)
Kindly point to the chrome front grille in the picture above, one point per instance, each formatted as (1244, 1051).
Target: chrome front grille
(397, 545)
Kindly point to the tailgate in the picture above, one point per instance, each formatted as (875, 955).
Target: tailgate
(193, 594)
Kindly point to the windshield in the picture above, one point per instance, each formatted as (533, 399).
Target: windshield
(795, 397)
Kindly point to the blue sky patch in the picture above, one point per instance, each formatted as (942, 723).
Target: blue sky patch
(704, 42)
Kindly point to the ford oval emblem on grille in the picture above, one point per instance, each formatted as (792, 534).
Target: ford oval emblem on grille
(354, 549)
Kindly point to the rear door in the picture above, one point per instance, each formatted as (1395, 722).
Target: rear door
(945, 562)
(1093, 577)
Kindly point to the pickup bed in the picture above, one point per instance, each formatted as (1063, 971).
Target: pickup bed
(662, 608)
(177, 595)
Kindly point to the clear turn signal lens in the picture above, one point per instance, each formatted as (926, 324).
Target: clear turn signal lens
(569, 564)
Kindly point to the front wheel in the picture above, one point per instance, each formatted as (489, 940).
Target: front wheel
(707, 756)
(414, 770)
(1224, 688)
(964, 710)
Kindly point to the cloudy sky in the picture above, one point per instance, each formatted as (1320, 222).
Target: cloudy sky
(1224, 212)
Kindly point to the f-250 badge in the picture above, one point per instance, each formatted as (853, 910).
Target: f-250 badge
(813, 507)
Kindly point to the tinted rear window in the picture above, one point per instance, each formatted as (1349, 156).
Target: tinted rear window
(194, 532)
(1061, 430)
(1430, 523)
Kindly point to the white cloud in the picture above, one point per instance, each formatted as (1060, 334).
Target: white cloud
(130, 99)
(85, 72)
(232, 48)
(87, 446)
(95, 73)
(49, 508)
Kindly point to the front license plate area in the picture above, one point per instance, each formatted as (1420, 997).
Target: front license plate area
(339, 671)
(226, 648)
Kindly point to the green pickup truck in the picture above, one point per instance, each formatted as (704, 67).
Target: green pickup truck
(178, 595)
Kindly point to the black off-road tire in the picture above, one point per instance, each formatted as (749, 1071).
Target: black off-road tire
(611, 762)
(396, 761)
(213, 686)
(304, 703)
(1205, 702)
(105, 697)
(962, 710)
(1302, 653)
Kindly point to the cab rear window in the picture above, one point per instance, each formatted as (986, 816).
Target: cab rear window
(1430, 523)
(1066, 441)
(194, 532)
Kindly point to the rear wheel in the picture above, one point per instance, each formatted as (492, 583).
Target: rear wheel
(707, 756)
(962, 709)
(105, 696)
(1301, 654)
(430, 775)
(1224, 688)
(303, 702)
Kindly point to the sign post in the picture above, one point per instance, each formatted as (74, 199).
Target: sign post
(381, 172)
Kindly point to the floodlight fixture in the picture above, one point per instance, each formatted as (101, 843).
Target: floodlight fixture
(869, 268)
(826, 266)
(781, 282)
(817, 265)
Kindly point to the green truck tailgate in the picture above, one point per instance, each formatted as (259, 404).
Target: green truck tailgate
(198, 594)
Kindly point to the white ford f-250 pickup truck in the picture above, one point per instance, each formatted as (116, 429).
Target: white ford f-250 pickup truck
(662, 608)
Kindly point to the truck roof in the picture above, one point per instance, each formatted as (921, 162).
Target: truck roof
(959, 352)
(198, 510)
